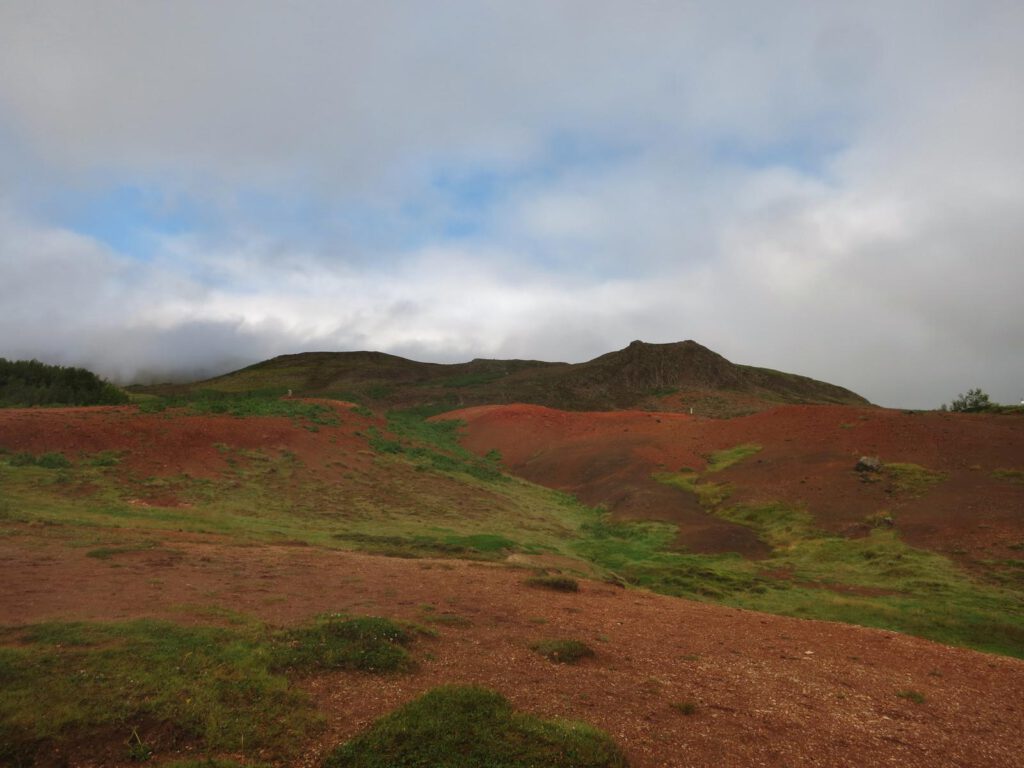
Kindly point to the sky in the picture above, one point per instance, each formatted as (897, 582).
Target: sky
(828, 188)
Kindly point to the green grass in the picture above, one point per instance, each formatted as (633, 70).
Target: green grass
(708, 494)
(472, 547)
(888, 584)
(402, 504)
(391, 507)
(366, 644)
(225, 688)
(51, 460)
(434, 445)
(253, 403)
(911, 479)
(106, 553)
(894, 586)
(469, 727)
(563, 651)
(724, 459)
(211, 684)
(1012, 475)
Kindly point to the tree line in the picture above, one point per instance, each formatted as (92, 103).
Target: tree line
(26, 383)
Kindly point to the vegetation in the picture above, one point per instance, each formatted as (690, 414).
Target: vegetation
(1012, 475)
(726, 458)
(209, 684)
(435, 445)
(25, 383)
(557, 583)
(51, 460)
(974, 400)
(563, 651)
(874, 581)
(469, 727)
(911, 479)
(708, 494)
(627, 378)
(261, 402)
(383, 507)
(915, 696)
(366, 644)
(223, 688)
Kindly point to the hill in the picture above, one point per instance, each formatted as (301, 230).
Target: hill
(176, 577)
(677, 376)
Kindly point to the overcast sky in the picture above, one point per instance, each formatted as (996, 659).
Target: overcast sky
(829, 188)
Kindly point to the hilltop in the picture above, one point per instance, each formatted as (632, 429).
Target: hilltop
(670, 377)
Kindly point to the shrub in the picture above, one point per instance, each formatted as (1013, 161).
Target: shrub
(368, 644)
(915, 696)
(472, 727)
(563, 651)
(557, 583)
(26, 383)
(685, 708)
(53, 460)
(974, 400)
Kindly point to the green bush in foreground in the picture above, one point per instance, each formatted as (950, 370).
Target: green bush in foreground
(469, 727)
(222, 687)
(213, 684)
(366, 644)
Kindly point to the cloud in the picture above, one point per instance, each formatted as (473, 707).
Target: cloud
(825, 189)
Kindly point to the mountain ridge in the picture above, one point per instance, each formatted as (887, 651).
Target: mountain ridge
(674, 376)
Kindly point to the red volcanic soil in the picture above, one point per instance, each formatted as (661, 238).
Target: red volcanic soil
(768, 690)
(175, 442)
(808, 457)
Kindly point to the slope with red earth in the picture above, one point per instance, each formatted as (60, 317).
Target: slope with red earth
(808, 457)
(768, 690)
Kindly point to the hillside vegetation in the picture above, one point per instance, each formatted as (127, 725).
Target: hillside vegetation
(24, 383)
(679, 376)
(226, 575)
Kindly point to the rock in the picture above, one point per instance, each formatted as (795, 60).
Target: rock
(869, 464)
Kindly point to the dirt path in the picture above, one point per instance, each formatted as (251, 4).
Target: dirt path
(769, 691)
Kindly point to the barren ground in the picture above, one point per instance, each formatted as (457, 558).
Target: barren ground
(769, 690)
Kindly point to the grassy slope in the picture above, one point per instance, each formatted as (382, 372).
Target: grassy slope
(423, 495)
(639, 375)
(221, 688)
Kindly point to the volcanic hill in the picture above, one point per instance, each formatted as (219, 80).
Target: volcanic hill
(219, 573)
(676, 376)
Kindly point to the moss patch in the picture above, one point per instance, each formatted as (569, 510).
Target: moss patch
(469, 727)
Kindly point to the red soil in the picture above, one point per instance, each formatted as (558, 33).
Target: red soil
(174, 442)
(768, 690)
(808, 458)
